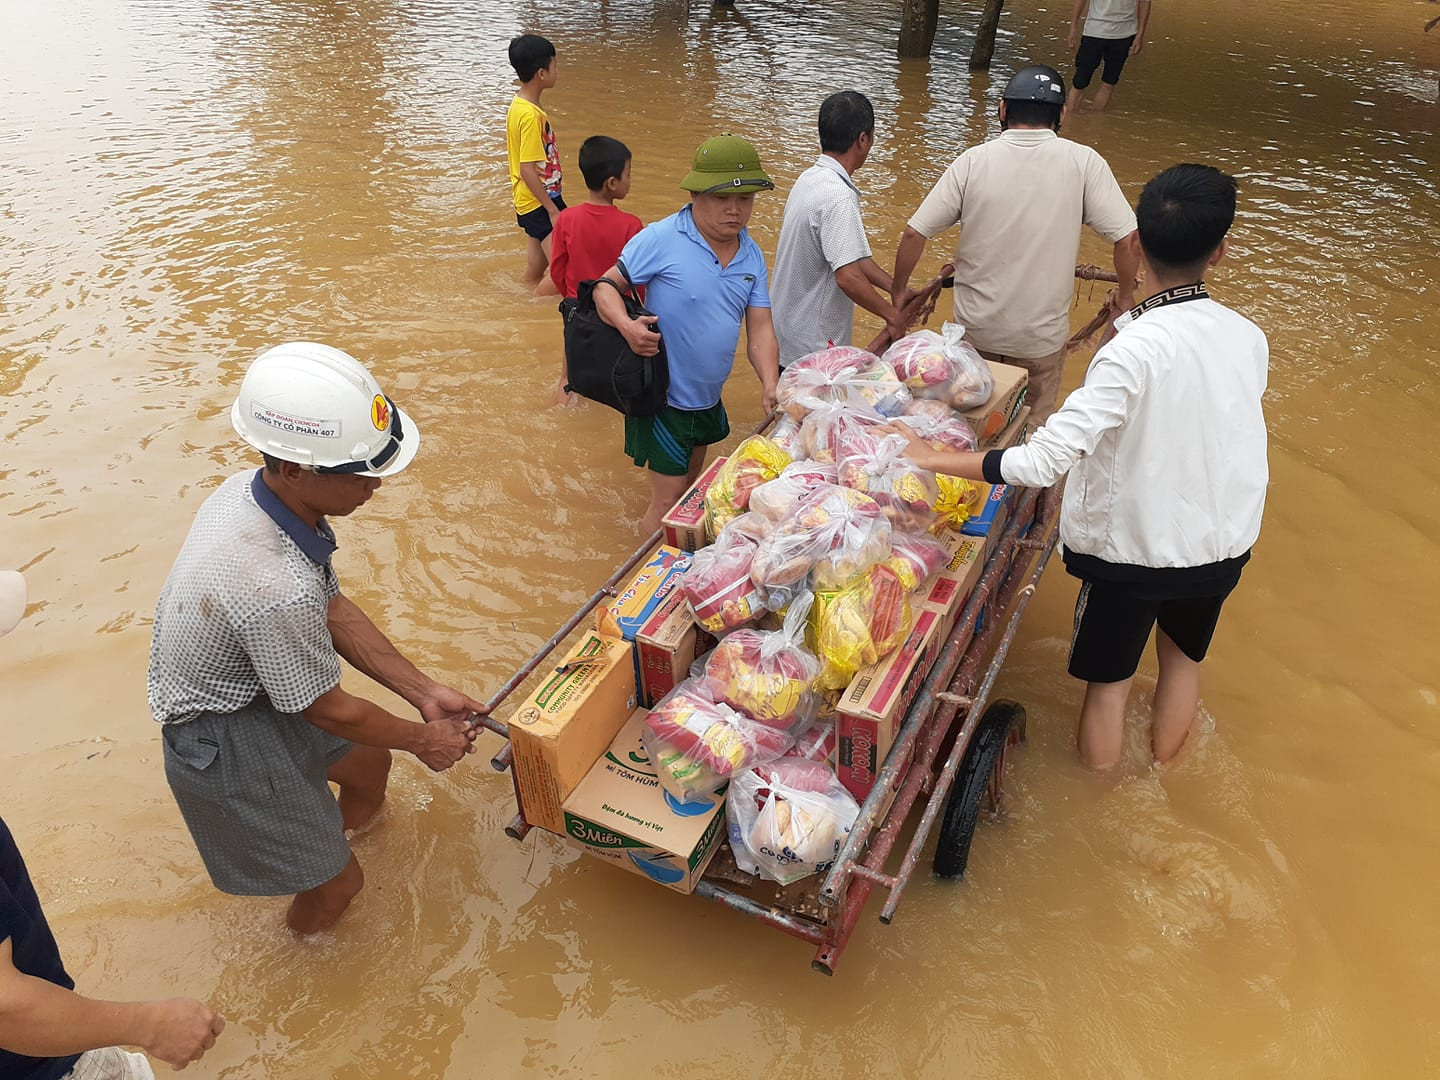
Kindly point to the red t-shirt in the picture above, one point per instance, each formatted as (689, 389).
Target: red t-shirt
(586, 242)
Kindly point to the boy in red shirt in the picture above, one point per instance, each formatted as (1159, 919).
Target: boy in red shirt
(588, 238)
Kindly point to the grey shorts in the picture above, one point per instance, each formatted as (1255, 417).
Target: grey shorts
(251, 787)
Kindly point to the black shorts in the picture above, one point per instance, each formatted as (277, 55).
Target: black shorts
(537, 222)
(1113, 623)
(1114, 51)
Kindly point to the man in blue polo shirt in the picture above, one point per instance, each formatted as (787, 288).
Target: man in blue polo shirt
(250, 630)
(703, 277)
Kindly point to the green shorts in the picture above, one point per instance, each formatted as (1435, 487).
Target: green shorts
(664, 441)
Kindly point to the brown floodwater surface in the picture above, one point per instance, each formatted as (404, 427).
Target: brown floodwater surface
(183, 183)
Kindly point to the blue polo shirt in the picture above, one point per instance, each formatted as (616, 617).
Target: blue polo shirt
(700, 303)
(32, 951)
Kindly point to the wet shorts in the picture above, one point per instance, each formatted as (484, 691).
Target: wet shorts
(664, 441)
(1113, 624)
(537, 222)
(252, 788)
(1114, 51)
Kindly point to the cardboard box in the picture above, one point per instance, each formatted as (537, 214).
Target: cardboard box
(874, 705)
(989, 521)
(568, 722)
(1014, 434)
(990, 419)
(665, 647)
(951, 587)
(655, 582)
(621, 814)
(684, 525)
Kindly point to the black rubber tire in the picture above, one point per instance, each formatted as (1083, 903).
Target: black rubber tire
(952, 849)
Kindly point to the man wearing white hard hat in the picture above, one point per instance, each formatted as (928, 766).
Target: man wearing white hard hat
(250, 630)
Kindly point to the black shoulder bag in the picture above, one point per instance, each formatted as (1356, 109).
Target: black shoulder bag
(599, 363)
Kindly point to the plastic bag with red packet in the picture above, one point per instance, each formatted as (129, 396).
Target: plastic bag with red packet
(834, 531)
(877, 465)
(755, 461)
(914, 558)
(769, 675)
(777, 499)
(939, 426)
(943, 366)
(697, 743)
(844, 375)
(827, 424)
(788, 819)
(718, 586)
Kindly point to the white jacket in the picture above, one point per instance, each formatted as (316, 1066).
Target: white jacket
(1164, 442)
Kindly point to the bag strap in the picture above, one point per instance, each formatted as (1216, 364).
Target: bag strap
(622, 290)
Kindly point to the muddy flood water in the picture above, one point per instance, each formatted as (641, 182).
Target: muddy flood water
(183, 183)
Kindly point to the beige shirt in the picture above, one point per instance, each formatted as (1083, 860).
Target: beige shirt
(1020, 200)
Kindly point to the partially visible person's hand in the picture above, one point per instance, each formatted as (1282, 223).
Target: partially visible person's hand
(444, 742)
(1135, 49)
(641, 335)
(768, 399)
(913, 443)
(447, 703)
(181, 1030)
(562, 397)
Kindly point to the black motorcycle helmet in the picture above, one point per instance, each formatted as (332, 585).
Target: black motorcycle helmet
(1036, 83)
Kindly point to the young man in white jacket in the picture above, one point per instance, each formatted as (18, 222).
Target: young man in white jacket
(1165, 445)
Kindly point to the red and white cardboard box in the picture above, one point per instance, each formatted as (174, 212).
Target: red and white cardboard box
(684, 524)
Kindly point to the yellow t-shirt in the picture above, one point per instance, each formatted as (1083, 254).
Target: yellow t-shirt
(529, 137)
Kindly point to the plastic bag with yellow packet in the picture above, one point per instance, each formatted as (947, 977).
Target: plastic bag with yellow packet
(755, 461)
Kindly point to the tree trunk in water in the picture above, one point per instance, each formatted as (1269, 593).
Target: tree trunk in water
(985, 36)
(918, 19)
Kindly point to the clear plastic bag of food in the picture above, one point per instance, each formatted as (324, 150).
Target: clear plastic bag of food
(718, 586)
(815, 743)
(778, 498)
(827, 424)
(833, 530)
(877, 465)
(785, 433)
(855, 627)
(769, 675)
(939, 426)
(788, 819)
(697, 743)
(942, 366)
(754, 461)
(914, 558)
(842, 375)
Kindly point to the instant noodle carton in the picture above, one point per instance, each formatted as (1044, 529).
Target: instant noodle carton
(1014, 434)
(665, 647)
(992, 418)
(621, 814)
(951, 587)
(873, 707)
(568, 722)
(656, 580)
(684, 525)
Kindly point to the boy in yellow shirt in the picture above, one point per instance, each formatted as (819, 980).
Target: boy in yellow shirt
(530, 146)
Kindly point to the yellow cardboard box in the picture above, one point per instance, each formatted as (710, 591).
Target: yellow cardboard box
(992, 418)
(567, 723)
(621, 814)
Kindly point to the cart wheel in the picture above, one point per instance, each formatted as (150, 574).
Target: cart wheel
(976, 785)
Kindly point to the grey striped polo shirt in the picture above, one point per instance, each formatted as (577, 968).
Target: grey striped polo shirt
(820, 233)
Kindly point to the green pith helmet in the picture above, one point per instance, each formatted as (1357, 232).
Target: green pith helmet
(726, 165)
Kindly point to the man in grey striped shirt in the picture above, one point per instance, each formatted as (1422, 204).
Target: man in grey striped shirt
(823, 266)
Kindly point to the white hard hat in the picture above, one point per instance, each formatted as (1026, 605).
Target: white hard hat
(12, 599)
(316, 405)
